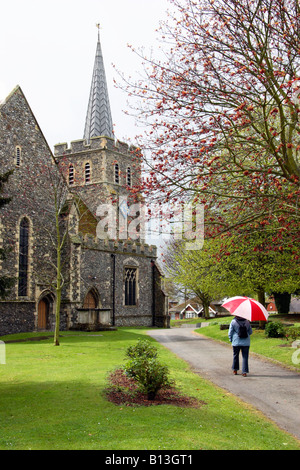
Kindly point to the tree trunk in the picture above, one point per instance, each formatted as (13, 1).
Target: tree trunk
(261, 296)
(282, 302)
(58, 282)
(151, 395)
(57, 317)
(206, 310)
(261, 299)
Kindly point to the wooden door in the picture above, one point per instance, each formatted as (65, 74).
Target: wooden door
(43, 313)
(90, 301)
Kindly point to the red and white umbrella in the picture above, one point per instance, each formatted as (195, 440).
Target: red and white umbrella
(246, 307)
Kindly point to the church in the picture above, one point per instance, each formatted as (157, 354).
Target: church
(60, 201)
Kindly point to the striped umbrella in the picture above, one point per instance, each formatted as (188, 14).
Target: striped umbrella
(246, 307)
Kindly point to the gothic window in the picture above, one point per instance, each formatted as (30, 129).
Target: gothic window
(117, 176)
(18, 156)
(23, 257)
(129, 176)
(71, 175)
(87, 173)
(130, 286)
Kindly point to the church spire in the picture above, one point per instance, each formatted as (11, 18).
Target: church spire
(98, 118)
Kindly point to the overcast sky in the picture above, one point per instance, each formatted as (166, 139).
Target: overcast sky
(48, 48)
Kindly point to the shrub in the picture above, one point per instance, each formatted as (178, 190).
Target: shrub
(292, 333)
(143, 348)
(145, 368)
(150, 374)
(274, 329)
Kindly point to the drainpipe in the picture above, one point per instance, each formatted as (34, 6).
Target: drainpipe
(153, 292)
(113, 286)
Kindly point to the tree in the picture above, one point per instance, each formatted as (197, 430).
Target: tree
(60, 193)
(53, 225)
(197, 271)
(173, 287)
(5, 282)
(60, 220)
(223, 109)
(249, 264)
(282, 301)
(256, 264)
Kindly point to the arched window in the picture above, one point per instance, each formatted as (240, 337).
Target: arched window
(71, 175)
(18, 156)
(129, 176)
(117, 176)
(87, 173)
(130, 286)
(23, 257)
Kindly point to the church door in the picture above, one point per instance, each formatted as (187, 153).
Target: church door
(43, 314)
(90, 301)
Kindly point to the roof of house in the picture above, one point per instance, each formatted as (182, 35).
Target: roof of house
(195, 304)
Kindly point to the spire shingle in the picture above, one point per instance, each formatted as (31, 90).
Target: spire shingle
(98, 119)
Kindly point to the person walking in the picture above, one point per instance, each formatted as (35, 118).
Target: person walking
(239, 336)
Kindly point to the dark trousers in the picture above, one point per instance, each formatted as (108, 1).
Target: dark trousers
(245, 355)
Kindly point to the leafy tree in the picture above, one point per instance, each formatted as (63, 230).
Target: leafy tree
(249, 264)
(256, 263)
(223, 116)
(197, 271)
(223, 109)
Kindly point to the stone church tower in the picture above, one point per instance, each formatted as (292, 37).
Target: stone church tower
(98, 168)
(109, 280)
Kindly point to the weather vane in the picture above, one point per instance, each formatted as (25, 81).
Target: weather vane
(98, 27)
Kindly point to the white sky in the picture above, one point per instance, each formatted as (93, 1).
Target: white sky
(48, 48)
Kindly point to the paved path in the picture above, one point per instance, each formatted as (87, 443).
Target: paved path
(272, 389)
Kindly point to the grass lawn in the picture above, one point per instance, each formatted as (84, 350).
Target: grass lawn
(53, 398)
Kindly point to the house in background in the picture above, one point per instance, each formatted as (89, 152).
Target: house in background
(294, 305)
(187, 309)
(193, 309)
(271, 306)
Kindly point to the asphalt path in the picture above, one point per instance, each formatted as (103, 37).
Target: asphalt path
(272, 389)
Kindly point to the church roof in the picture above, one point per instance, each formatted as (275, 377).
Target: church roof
(98, 119)
(18, 91)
